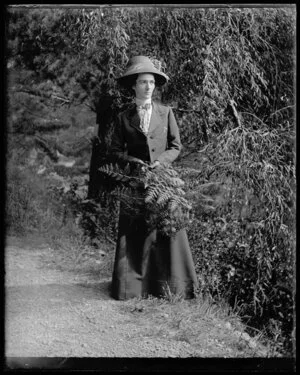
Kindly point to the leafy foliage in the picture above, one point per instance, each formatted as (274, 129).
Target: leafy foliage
(245, 248)
(31, 204)
(215, 54)
(155, 194)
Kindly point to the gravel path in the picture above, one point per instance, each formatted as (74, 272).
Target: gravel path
(52, 313)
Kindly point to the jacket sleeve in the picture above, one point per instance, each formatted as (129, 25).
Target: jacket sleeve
(118, 144)
(174, 145)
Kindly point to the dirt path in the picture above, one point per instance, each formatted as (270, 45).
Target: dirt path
(54, 313)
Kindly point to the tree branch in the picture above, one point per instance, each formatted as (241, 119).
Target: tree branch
(235, 113)
(282, 109)
(60, 98)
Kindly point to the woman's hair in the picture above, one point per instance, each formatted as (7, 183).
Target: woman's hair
(129, 81)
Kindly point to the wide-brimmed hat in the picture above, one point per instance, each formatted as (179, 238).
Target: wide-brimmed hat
(140, 65)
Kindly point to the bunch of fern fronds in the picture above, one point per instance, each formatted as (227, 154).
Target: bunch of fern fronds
(156, 194)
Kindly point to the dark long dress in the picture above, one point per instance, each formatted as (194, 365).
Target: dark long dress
(150, 263)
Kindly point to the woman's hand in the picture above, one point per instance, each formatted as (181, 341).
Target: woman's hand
(155, 164)
(137, 161)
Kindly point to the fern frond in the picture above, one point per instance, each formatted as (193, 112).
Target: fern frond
(116, 174)
(180, 191)
(157, 192)
(164, 197)
(170, 172)
(152, 192)
(177, 182)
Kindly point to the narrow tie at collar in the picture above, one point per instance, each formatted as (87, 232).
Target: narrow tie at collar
(145, 106)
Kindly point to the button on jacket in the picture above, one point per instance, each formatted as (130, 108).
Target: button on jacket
(162, 142)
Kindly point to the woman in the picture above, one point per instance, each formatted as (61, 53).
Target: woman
(148, 263)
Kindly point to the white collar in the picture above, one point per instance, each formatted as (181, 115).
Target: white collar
(139, 102)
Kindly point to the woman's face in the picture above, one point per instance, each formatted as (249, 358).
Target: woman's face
(144, 86)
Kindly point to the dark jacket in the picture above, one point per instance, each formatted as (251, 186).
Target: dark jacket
(162, 142)
(149, 263)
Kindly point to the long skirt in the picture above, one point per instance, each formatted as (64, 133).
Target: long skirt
(151, 263)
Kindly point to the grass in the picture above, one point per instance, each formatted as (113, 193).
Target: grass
(74, 253)
(211, 329)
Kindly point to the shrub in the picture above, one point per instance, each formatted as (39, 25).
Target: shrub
(244, 248)
(30, 205)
